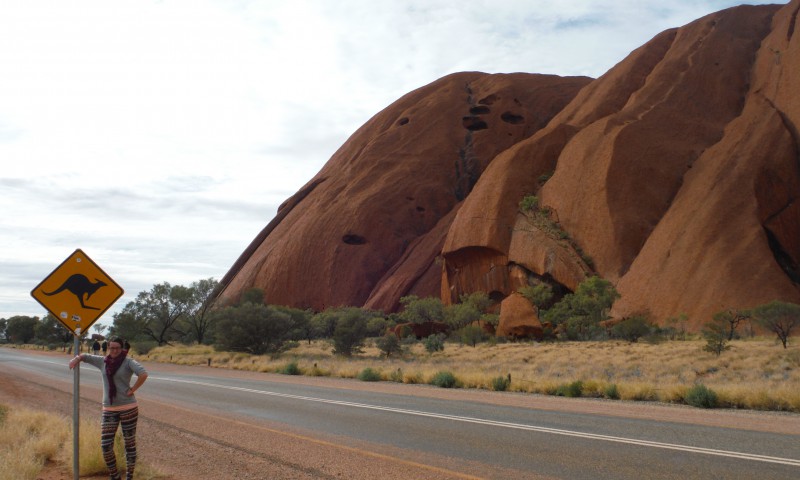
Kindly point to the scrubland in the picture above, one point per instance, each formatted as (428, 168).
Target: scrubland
(754, 374)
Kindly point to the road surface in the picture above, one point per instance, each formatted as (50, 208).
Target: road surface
(333, 428)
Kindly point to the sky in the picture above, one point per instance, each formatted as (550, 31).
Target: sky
(160, 136)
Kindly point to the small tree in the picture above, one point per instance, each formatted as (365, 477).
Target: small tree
(253, 328)
(732, 318)
(434, 343)
(421, 310)
(778, 317)
(632, 328)
(676, 327)
(581, 312)
(460, 315)
(472, 335)
(388, 344)
(301, 322)
(198, 315)
(540, 295)
(350, 331)
(50, 330)
(21, 329)
(715, 334)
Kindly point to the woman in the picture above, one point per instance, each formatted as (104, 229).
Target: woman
(119, 404)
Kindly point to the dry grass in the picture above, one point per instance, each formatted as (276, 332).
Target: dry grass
(753, 374)
(30, 438)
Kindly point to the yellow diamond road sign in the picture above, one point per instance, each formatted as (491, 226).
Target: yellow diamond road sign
(77, 293)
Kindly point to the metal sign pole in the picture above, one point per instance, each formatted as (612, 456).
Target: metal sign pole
(75, 411)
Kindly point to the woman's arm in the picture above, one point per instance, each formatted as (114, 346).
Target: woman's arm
(139, 381)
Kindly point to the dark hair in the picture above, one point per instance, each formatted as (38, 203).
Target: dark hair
(117, 340)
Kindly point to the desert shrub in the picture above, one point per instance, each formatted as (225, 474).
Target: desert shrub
(388, 344)
(252, 328)
(574, 389)
(472, 335)
(377, 326)
(715, 333)
(143, 347)
(434, 343)
(369, 375)
(540, 295)
(580, 313)
(421, 310)
(632, 328)
(529, 203)
(396, 376)
(290, 368)
(350, 331)
(778, 317)
(501, 383)
(444, 379)
(611, 391)
(701, 396)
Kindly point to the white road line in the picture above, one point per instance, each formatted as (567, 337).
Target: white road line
(518, 426)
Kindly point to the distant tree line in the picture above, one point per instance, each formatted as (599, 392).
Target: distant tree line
(168, 314)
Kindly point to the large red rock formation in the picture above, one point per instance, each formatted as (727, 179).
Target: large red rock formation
(674, 175)
(368, 227)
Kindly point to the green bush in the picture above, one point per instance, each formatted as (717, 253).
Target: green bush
(350, 331)
(701, 397)
(574, 389)
(501, 384)
(612, 392)
(388, 344)
(252, 328)
(632, 328)
(472, 335)
(444, 379)
(369, 375)
(434, 343)
(143, 347)
(290, 368)
(529, 203)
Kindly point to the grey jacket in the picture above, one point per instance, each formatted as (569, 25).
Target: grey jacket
(122, 379)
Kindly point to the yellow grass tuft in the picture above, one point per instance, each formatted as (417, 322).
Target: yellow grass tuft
(30, 438)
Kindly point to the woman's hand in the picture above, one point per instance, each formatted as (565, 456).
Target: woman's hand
(75, 361)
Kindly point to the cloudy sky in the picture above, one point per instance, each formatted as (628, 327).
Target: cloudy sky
(160, 136)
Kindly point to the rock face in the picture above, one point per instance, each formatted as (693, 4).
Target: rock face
(519, 319)
(674, 175)
(367, 229)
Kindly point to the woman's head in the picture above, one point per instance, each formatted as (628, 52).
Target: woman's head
(115, 346)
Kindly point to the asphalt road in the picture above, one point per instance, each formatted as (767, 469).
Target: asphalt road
(501, 439)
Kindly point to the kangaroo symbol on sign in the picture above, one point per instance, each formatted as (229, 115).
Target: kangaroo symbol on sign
(81, 287)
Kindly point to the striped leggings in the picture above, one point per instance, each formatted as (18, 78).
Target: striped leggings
(108, 430)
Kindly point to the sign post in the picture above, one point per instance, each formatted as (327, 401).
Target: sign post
(76, 413)
(77, 293)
